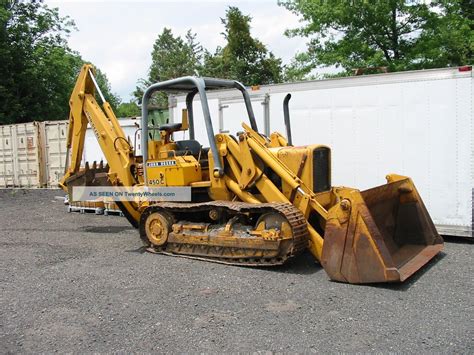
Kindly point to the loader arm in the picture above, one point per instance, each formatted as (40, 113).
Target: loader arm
(239, 162)
(84, 110)
(380, 235)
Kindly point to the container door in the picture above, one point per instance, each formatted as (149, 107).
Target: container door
(6, 156)
(25, 155)
(55, 150)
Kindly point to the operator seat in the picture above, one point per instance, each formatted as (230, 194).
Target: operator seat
(189, 145)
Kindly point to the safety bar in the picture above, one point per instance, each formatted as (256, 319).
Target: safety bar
(194, 85)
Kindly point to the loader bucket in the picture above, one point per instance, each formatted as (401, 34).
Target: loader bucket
(383, 234)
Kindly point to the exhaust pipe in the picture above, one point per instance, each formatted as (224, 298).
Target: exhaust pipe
(286, 116)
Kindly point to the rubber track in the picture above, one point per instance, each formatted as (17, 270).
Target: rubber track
(294, 217)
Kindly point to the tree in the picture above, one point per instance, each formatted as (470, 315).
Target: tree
(243, 57)
(172, 57)
(449, 39)
(398, 34)
(298, 70)
(37, 68)
(128, 109)
(185, 54)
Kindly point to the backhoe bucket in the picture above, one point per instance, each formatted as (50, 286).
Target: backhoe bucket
(383, 234)
(95, 176)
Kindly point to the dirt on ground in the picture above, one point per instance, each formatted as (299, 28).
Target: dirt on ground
(74, 282)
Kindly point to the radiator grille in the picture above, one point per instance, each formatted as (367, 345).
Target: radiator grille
(321, 169)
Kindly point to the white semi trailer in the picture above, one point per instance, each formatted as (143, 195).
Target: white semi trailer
(417, 123)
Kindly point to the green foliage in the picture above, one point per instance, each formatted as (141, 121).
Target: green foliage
(128, 109)
(398, 34)
(213, 64)
(37, 69)
(172, 57)
(449, 39)
(186, 53)
(297, 70)
(243, 58)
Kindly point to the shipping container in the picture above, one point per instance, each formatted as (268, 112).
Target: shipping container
(417, 123)
(21, 156)
(33, 154)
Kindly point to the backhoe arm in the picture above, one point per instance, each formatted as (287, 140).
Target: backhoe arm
(84, 110)
(77, 125)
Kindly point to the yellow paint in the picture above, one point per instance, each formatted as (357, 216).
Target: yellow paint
(178, 171)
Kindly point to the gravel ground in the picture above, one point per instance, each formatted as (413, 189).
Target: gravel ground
(81, 283)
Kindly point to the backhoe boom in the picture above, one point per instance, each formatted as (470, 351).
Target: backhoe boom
(112, 140)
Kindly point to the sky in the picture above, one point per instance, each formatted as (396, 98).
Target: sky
(118, 36)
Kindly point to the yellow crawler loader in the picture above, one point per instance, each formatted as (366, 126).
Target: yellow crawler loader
(255, 200)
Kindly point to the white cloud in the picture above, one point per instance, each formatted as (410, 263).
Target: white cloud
(269, 27)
